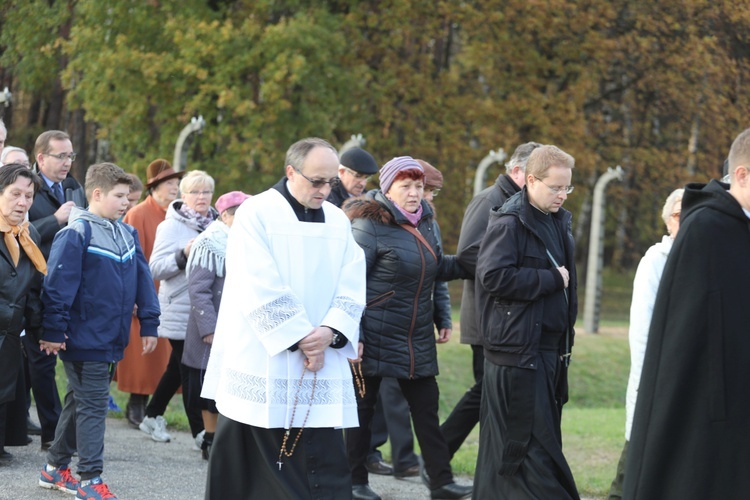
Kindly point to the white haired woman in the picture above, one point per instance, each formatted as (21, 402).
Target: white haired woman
(186, 218)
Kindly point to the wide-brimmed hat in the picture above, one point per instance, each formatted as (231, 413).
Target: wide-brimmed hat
(160, 170)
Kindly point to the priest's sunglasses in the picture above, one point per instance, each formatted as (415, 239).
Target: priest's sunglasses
(319, 183)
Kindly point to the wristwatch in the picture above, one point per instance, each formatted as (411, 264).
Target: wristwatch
(335, 338)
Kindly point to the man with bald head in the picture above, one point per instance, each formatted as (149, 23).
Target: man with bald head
(288, 323)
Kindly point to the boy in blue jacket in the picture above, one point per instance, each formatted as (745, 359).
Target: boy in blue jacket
(97, 273)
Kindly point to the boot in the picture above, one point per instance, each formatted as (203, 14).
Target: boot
(208, 441)
(136, 409)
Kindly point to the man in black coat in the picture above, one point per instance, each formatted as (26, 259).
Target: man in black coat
(691, 428)
(54, 156)
(527, 304)
(355, 169)
(465, 415)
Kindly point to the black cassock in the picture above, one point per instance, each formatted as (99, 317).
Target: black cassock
(691, 428)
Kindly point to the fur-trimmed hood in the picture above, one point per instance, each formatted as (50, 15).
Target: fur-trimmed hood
(365, 207)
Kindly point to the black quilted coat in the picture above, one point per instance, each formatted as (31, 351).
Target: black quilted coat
(397, 326)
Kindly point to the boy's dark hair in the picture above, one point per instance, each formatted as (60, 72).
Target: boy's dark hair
(10, 173)
(105, 176)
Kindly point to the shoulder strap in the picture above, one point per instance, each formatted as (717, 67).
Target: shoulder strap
(419, 236)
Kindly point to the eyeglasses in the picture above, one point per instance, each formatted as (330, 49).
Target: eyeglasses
(435, 192)
(556, 190)
(357, 175)
(319, 183)
(63, 156)
(200, 193)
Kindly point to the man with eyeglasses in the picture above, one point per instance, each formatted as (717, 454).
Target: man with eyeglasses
(355, 169)
(288, 324)
(527, 305)
(465, 415)
(53, 153)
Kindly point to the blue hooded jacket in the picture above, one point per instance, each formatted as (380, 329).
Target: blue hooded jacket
(96, 273)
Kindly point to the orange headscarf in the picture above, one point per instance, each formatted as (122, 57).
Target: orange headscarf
(14, 235)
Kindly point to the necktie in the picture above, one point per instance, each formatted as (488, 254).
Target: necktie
(57, 189)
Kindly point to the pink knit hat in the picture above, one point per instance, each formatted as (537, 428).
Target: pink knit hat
(230, 199)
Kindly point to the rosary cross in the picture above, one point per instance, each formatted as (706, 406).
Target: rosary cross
(280, 463)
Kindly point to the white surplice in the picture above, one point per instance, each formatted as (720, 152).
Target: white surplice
(285, 277)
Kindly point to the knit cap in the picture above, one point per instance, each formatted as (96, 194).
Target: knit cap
(391, 169)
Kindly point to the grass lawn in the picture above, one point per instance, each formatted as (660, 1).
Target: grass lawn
(593, 420)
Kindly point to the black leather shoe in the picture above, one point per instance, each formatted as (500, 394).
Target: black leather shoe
(452, 491)
(412, 471)
(6, 458)
(379, 467)
(363, 492)
(32, 429)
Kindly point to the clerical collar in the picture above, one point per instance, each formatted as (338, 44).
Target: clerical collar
(539, 209)
(303, 213)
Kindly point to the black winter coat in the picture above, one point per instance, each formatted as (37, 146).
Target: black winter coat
(691, 428)
(473, 227)
(397, 326)
(42, 211)
(20, 307)
(513, 277)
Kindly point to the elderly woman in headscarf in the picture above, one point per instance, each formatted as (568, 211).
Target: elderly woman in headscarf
(645, 285)
(21, 267)
(394, 226)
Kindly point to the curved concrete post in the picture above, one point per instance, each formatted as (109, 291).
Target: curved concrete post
(357, 141)
(487, 161)
(179, 163)
(596, 251)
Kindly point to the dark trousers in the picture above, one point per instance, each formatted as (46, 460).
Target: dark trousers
(174, 376)
(40, 373)
(83, 419)
(392, 420)
(465, 415)
(615, 489)
(422, 395)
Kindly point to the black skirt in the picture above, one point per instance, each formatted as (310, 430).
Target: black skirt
(244, 464)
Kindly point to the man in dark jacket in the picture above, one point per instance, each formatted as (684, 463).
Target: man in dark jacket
(356, 166)
(465, 415)
(691, 428)
(526, 306)
(53, 153)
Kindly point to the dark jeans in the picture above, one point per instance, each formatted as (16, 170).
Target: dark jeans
(174, 376)
(465, 415)
(422, 395)
(40, 379)
(391, 419)
(83, 418)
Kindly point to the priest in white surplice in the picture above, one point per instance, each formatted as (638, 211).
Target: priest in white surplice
(288, 323)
